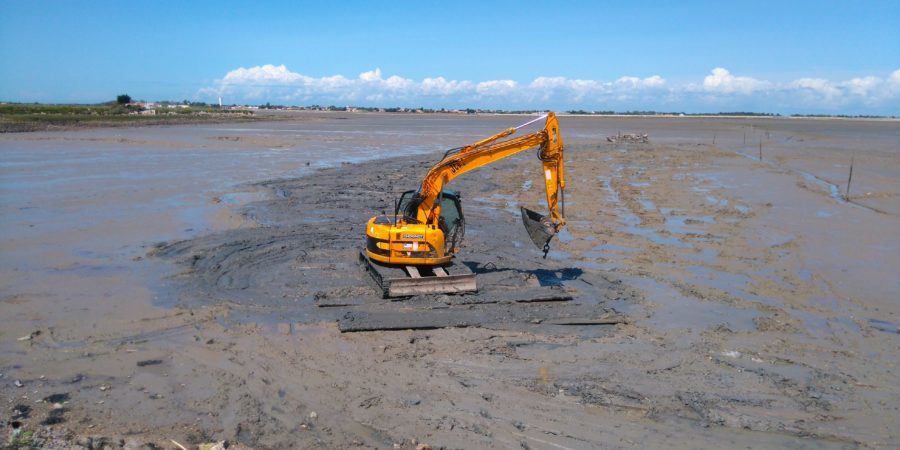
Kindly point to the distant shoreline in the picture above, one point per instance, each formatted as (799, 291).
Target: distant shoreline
(38, 123)
(75, 124)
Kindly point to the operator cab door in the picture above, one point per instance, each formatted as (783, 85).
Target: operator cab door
(408, 206)
(451, 221)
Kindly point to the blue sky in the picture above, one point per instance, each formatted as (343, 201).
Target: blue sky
(795, 56)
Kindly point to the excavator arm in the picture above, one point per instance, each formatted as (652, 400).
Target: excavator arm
(489, 150)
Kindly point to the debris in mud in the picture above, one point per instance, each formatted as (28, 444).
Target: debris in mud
(31, 336)
(21, 412)
(221, 445)
(149, 362)
(414, 401)
(883, 325)
(285, 329)
(629, 138)
(55, 416)
(57, 398)
(20, 438)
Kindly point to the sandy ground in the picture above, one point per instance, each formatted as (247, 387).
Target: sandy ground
(758, 308)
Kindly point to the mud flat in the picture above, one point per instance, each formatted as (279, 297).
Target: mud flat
(192, 285)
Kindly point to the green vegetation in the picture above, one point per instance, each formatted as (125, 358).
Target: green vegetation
(21, 439)
(34, 117)
(123, 111)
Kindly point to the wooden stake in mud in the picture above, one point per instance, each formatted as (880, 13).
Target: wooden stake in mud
(745, 138)
(760, 149)
(849, 179)
(714, 139)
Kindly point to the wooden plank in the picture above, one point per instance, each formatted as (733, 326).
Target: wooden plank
(479, 315)
(527, 295)
(417, 320)
(612, 320)
(347, 301)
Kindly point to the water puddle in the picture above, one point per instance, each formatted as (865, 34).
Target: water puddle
(832, 189)
(687, 224)
(500, 201)
(733, 284)
(704, 255)
(526, 186)
(603, 267)
(884, 325)
(632, 221)
(676, 311)
(713, 200)
(647, 204)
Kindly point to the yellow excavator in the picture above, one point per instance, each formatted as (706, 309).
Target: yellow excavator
(410, 252)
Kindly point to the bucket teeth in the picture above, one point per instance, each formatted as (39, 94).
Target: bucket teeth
(538, 227)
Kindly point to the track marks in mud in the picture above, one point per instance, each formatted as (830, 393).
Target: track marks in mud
(638, 372)
(307, 250)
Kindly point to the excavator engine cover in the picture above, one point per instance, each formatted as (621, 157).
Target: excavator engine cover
(539, 229)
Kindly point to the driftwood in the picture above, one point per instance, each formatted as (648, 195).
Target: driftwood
(634, 138)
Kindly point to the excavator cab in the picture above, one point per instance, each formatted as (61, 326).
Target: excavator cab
(451, 221)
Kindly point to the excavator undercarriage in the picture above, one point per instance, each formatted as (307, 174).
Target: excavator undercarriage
(404, 281)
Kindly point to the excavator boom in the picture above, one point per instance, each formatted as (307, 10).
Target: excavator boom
(486, 151)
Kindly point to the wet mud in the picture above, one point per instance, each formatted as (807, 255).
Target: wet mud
(306, 257)
(699, 299)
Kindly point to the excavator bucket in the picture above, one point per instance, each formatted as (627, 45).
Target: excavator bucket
(538, 228)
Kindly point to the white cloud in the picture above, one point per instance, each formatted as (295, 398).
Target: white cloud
(817, 86)
(496, 87)
(894, 79)
(263, 74)
(372, 75)
(440, 86)
(721, 80)
(863, 87)
(719, 89)
(637, 83)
